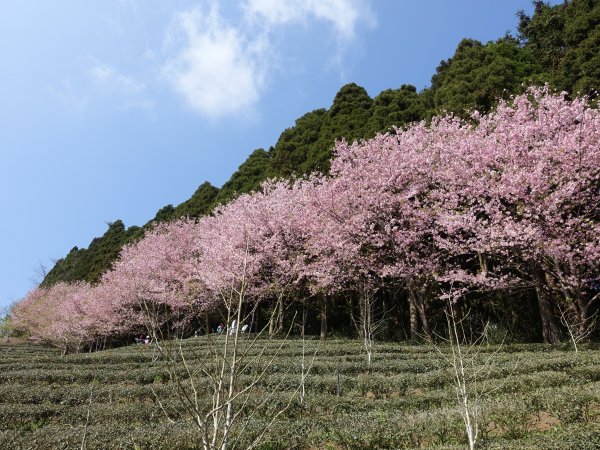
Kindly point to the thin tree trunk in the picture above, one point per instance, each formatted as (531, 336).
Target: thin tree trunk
(584, 317)
(252, 320)
(574, 300)
(419, 306)
(362, 310)
(550, 330)
(414, 317)
(482, 264)
(323, 317)
(280, 315)
(272, 325)
(384, 327)
(424, 319)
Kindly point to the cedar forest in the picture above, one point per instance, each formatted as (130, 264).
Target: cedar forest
(481, 190)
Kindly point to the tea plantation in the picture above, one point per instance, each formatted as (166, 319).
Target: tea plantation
(532, 396)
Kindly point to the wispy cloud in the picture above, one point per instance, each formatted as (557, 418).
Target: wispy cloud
(143, 104)
(66, 94)
(126, 91)
(109, 77)
(217, 68)
(344, 15)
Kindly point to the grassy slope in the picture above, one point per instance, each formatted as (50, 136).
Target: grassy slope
(543, 398)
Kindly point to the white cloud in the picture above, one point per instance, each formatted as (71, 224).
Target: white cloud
(220, 67)
(109, 77)
(344, 15)
(217, 68)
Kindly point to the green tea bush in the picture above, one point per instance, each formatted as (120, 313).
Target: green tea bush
(537, 397)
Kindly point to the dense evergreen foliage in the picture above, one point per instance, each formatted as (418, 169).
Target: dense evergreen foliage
(247, 178)
(478, 74)
(565, 40)
(558, 45)
(89, 264)
(199, 204)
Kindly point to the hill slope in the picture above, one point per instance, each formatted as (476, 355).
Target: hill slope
(539, 397)
(559, 45)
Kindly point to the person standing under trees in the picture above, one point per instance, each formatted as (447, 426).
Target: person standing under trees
(233, 329)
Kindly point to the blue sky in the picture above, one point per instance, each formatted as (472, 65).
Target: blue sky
(110, 110)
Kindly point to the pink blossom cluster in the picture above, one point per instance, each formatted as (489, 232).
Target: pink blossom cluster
(454, 204)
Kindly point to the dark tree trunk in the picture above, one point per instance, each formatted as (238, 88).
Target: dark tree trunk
(482, 264)
(584, 318)
(362, 308)
(414, 317)
(417, 308)
(252, 320)
(323, 317)
(550, 329)
(424, 319)
(574, 302)
(280, 315)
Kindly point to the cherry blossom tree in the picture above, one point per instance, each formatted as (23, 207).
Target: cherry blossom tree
(264, 231)
(153, 284)
(519, 191)
(380, 187)
(60, 315)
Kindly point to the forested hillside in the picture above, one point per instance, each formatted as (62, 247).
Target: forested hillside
(558, 45)
(496, 215)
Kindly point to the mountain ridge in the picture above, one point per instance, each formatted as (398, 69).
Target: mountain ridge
(558, 45)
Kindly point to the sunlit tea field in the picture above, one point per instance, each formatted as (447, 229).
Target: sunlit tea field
(531, 396)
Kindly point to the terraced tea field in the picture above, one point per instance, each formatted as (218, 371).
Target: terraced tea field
(534, 396)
